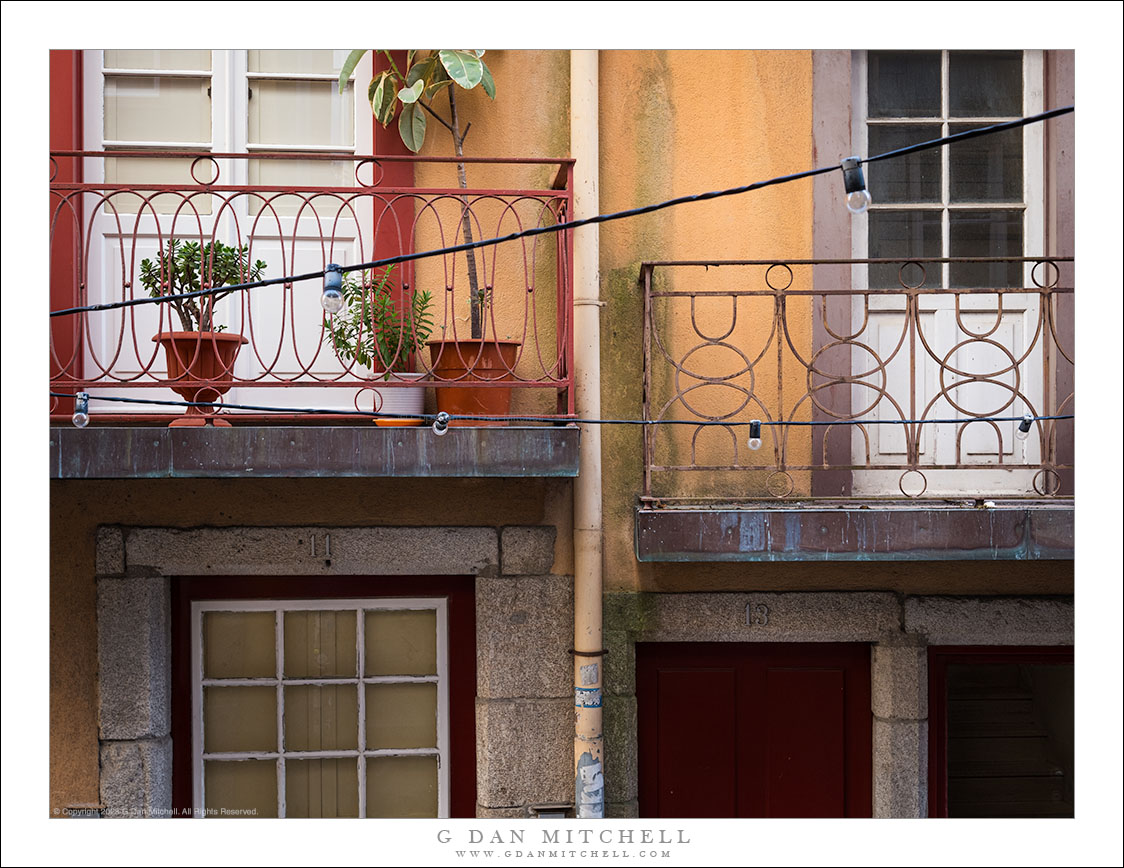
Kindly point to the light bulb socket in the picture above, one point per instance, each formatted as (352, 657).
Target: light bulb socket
(441, 424)
(853, 180)
(754, 434)
(332, 297)
(1024, 426)
(81, 417)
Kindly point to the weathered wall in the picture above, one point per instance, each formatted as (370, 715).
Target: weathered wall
(78, 508)
(675, 123)
(530, 117)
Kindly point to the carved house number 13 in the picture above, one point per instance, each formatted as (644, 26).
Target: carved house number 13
(756, 615)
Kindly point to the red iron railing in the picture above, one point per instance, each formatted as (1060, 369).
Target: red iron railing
(103, 230)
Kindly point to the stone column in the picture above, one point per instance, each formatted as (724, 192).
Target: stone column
(899, 687)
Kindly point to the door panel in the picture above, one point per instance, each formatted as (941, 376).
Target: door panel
(804, 711)
(754, 730)
(696, 713)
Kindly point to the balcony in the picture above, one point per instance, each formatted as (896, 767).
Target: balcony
(891, 395)
(498, 319)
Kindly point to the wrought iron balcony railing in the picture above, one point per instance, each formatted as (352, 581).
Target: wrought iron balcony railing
(297, 213)
(872, 378)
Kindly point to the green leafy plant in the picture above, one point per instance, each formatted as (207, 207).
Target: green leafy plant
(409, 92)
(186, 266)
(371, 330)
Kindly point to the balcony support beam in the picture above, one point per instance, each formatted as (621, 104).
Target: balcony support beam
(311, 451)
(873, 531)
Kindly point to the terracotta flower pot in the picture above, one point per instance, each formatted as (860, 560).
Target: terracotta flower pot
(200, 368)
(469, 361)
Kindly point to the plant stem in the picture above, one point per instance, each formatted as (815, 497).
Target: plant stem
(476, 297)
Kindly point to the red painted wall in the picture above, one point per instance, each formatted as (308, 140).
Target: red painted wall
(65, 220)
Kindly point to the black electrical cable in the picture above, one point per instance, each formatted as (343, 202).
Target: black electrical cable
(568, 420)
(574, 224)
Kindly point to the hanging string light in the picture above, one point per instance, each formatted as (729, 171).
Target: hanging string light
(858, 197)
(332, 297)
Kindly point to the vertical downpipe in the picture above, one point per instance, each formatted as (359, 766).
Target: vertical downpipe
(589, 777)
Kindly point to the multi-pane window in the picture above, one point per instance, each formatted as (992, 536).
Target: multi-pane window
(964, 200)
(320, 709)
(947, 351)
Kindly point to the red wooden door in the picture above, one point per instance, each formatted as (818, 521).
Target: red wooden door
(754, 730)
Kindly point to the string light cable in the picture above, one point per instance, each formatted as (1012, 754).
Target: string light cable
(441, 420)
(333, 273)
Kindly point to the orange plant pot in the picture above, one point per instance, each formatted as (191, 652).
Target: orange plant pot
(201, 368)
(468, 361)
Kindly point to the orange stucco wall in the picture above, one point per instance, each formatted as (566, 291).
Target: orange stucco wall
(675, 123)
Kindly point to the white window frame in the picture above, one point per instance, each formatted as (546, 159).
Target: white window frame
(279, 607)
(230, 82)
(1033, 202)
(988, 476)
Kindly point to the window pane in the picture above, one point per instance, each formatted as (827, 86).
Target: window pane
(985, 84)
(401, 716)
(239, 645)
(322, 788)
(401, 643)
(240, 789)
(301, 113)
(903, 235)
(986, 169)
(913, 178)
(298, 173)
(986, 233)
(319, 60)
(904, 84)
(320, 645)
(157, 109)
(402, 786)
(321, 718)
(161, 58)
(239, 719)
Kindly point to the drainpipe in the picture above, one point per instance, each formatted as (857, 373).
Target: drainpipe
(589, 779)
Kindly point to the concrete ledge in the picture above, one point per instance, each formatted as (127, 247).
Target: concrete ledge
(874, 531)
(976, 621)
(313, 551)
(136, 778)
(311, 451)
(795, 617)
(527, 551)
(134, 658)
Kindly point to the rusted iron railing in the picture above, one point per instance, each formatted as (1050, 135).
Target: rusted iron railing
(848, 364)
(298, 212)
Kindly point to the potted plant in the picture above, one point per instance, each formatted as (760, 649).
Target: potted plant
(372, 331)
(409, 92)
(200, 357)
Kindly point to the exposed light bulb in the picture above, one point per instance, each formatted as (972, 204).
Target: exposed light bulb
(441, 424)
(81, 417)
(858, 201)
(332, 297)
(1023, 431)
(754, 434)
(858, 197)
